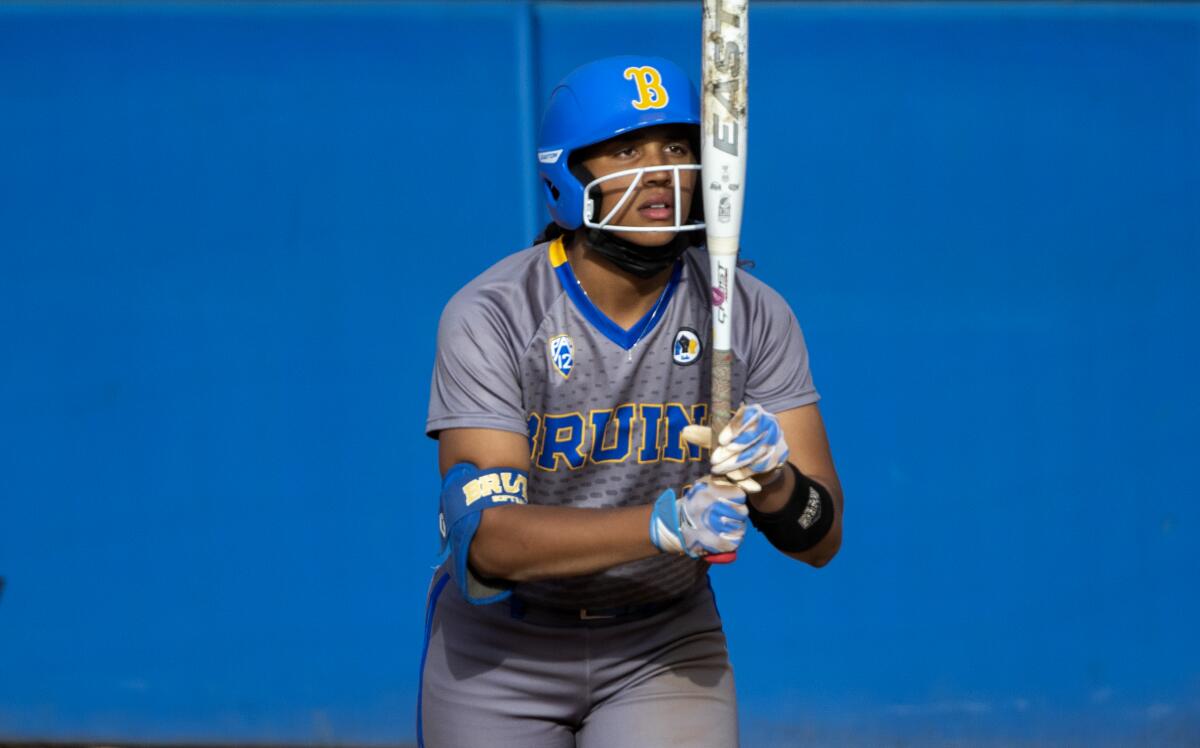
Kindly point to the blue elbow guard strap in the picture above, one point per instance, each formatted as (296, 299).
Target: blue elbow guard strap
(466, 492)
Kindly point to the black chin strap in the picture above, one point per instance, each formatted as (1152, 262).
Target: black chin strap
(644, 262)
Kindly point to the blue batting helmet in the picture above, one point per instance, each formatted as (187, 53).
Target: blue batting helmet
(599, 101)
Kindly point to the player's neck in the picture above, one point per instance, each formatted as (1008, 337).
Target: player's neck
(623, 297)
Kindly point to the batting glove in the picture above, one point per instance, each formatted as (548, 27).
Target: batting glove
(710, 518)
(751, 445)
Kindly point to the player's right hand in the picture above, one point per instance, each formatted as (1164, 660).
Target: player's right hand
(752, 447)
(710, 518)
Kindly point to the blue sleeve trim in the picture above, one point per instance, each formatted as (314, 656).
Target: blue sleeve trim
(625, 338)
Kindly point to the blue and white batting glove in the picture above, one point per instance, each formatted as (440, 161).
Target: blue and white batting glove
(751, 445)
(710, 518)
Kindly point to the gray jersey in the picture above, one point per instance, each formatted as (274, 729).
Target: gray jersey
(521, 348)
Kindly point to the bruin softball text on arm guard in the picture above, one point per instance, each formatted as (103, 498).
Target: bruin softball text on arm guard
(467, 492)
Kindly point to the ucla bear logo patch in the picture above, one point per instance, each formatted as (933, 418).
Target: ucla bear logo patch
(562, 354)
(686, 349)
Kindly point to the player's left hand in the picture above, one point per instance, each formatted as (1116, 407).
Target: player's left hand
(752, 445)
(709, 519)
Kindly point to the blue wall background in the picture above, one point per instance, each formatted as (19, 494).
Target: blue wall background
(226, 233)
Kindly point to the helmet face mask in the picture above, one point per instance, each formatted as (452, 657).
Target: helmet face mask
(604, 224)
(600, 101)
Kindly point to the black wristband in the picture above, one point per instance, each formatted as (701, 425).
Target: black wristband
(802, 522)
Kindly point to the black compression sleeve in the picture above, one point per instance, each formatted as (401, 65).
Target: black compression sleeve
(803, 521)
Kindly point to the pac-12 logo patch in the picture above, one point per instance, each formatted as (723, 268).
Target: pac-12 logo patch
(562, 354)
(686, 349)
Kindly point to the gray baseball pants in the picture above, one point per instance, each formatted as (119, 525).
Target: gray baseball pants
(492, 680)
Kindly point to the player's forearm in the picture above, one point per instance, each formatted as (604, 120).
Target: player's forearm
(526, 543)
(823, 552)
(775, 494)
(773, 497)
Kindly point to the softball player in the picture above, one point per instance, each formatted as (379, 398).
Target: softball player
(579, 499)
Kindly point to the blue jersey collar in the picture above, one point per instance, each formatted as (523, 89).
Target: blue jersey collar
(611, 330)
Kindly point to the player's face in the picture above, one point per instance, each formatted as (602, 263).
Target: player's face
(653, 201)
